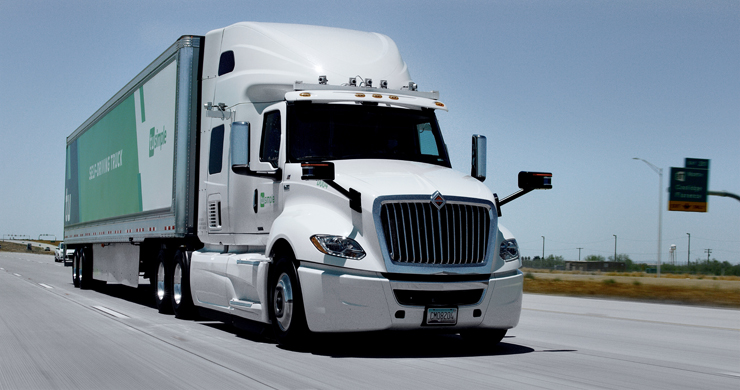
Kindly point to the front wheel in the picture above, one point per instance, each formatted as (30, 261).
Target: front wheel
(286, 304)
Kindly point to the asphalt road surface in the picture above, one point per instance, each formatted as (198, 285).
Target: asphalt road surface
(53, 336)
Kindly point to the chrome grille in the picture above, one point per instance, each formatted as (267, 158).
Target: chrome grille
(419, 233)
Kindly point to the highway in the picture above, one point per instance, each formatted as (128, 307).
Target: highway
(53, 336)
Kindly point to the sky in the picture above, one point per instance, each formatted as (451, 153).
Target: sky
(576, 88)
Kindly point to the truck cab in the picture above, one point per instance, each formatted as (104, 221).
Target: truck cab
(339, 188)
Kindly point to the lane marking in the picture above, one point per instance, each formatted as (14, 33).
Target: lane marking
(604, 316)
(110, 312)
(18, 275)
(46, 286)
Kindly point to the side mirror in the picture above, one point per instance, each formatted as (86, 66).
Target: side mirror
(535, 180)
(317, 171)
(528, 182)
(478, 162)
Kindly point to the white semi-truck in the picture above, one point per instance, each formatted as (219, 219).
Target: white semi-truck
(290, 175)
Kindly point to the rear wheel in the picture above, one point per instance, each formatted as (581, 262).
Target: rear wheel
(161, 282)
(286, 304)
(76, 269)
(84, 270)
(182, 301)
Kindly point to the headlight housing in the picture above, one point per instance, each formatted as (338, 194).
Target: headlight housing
(509, 250)
(339, 246)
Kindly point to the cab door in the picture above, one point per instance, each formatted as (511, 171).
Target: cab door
(254, 190)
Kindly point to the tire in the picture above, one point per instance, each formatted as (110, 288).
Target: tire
(485, 338)
(84, 271)
(182, 300)
(76, 269)
(161, 282)
(287, 314)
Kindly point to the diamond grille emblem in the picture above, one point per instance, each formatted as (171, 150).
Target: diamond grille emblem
(438, 201)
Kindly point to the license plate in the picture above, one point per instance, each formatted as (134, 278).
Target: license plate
(441, 316)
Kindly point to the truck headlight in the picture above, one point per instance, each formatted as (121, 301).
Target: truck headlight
(338, 246)
(509, 250)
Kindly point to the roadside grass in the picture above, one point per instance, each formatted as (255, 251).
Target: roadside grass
(709, 295)
(6, 246)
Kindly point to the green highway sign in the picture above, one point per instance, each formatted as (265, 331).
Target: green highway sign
(689, 187)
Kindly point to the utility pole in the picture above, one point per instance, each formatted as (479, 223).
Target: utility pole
(579, 253)
(708, 252)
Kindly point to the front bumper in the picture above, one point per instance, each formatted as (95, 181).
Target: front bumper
(337, 300)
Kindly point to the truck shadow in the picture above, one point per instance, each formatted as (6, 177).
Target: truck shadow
(383, 345)
(141, 295)
(377, 345)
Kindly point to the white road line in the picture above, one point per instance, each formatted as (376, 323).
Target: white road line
(18, 275)
(110, 312)
(46, 286)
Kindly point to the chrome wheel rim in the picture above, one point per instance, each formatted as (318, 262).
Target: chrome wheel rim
(177, 284)
(76, 268)
(283, 302)
(160, 281)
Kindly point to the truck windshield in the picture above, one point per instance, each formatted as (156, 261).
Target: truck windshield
(322, 132)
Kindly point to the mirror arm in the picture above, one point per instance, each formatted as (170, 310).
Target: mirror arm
(355, 200)
(514, 196)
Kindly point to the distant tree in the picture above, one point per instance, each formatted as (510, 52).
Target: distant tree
(595, 258)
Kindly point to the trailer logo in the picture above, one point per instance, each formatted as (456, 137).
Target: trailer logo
(156, 140)
(438, 201)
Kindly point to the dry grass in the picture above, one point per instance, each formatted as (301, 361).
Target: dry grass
(630, 274)
(724, 293)
(13, 247)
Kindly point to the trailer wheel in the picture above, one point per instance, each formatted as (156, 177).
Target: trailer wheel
(486, 338)
(182, 301)
(161, 282)
(84, 270)
(76, 269)
(286, 304)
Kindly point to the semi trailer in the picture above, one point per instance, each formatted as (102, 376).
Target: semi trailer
(294, 176)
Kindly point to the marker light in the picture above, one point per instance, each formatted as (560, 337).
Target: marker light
(305, 94)
(360, 95)
(378, 96)
(338, 246)
(440, 104)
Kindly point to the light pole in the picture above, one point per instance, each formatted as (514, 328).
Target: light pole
(659, 171)
(615, 247)
(579, 253)
(688, 256)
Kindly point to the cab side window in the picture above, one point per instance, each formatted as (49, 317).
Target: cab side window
(270, 147)
(216, 153)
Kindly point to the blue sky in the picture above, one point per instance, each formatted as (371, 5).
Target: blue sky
(577, 88)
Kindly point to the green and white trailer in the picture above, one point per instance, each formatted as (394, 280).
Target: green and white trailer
(294, 176)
